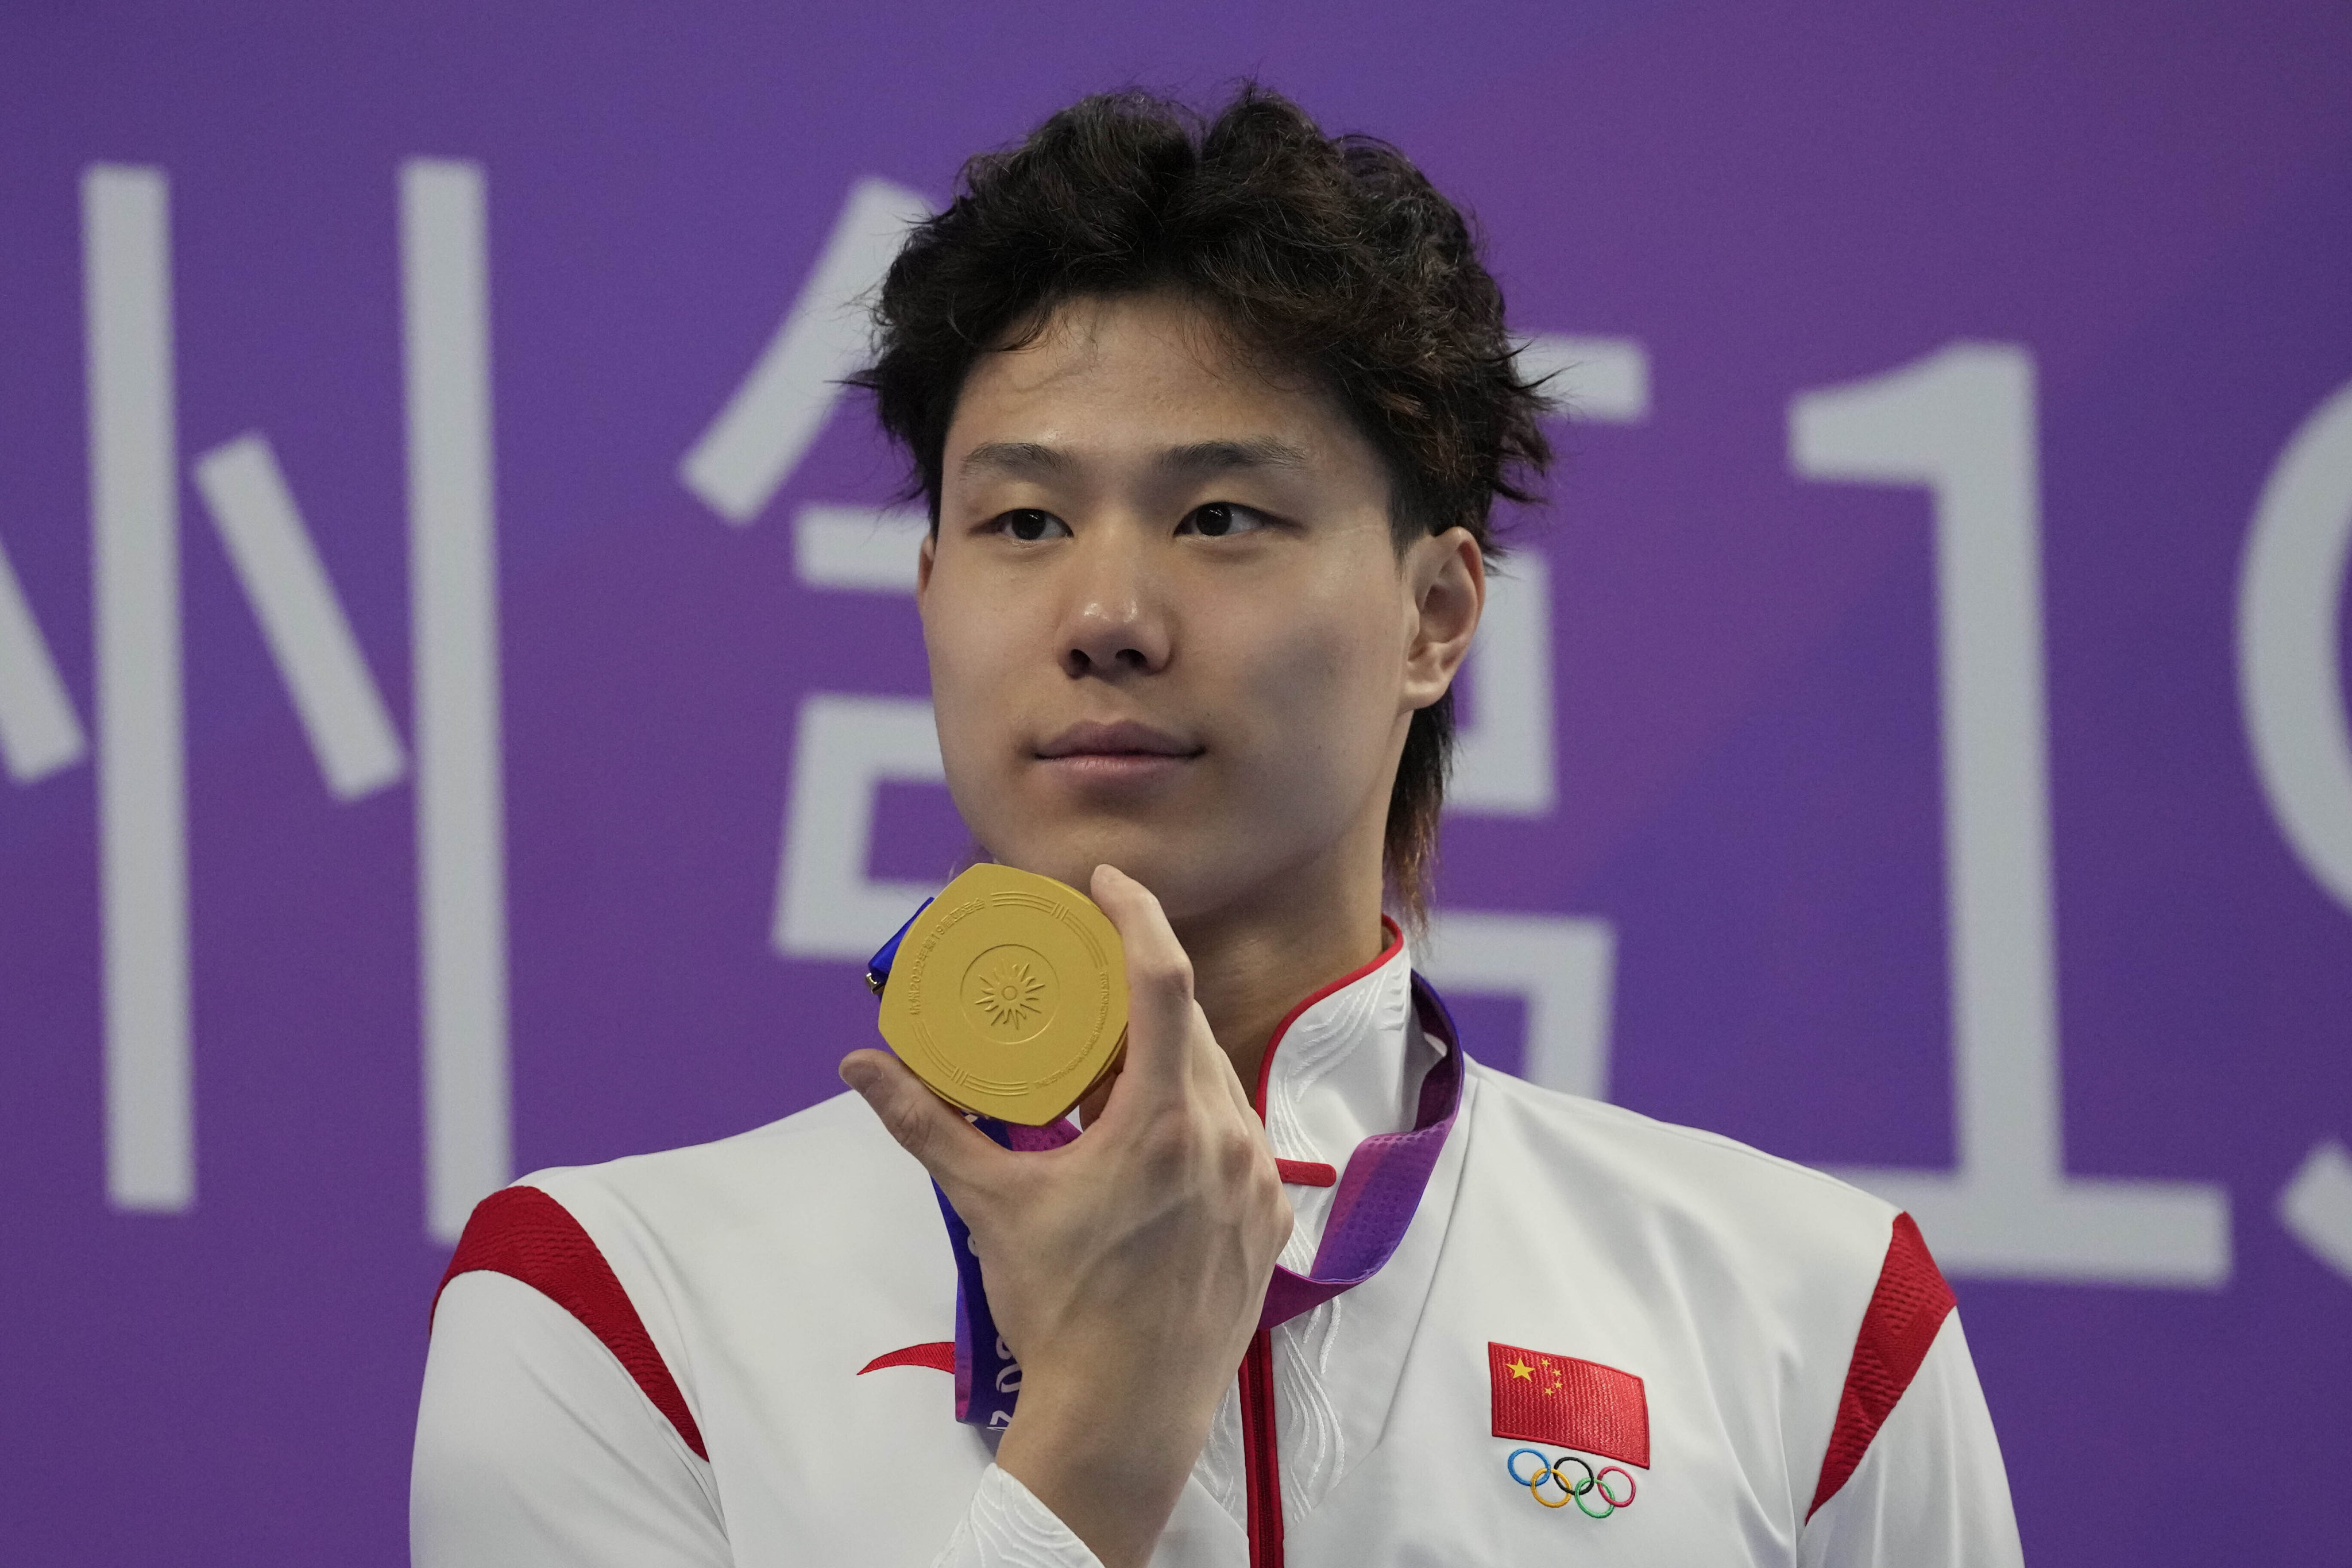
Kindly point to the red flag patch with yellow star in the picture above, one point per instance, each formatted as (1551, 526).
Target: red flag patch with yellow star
(1570, 1403)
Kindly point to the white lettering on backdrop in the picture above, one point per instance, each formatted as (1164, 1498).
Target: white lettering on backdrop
(1962, 423)
(141, 744)
(452, 607)
(142, 794)
(40, 734)
(2291, 689)
(309, 638)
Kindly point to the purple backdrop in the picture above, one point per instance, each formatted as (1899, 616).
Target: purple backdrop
(1716, 855)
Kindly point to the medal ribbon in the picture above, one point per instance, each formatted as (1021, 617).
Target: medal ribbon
(1378, 1192)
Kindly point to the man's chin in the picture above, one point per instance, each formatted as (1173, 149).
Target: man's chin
(1175, 867)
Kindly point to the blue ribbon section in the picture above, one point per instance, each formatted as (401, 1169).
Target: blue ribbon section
(877, 968)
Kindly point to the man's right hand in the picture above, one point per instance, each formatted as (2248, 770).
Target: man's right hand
(1126, 1271)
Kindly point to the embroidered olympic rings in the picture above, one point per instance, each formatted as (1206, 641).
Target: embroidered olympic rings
(1582, 1490)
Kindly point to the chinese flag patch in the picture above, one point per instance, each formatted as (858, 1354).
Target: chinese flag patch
(1570, 1404)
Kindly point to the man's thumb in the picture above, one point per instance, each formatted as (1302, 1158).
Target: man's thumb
(925, 1126)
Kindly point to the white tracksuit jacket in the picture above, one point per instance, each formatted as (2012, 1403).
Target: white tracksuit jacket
(668, 1361)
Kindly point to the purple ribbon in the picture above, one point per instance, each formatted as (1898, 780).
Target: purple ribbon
(1378, 1193)
(987, 1378)
(1380, 1190)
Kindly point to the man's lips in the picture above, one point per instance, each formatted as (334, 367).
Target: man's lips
(1125, 742)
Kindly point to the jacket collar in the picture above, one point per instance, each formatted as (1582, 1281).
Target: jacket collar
(1344, 1065)
(1347, 1064)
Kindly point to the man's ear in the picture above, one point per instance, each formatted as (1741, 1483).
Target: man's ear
(1446, 575)
(923, 559)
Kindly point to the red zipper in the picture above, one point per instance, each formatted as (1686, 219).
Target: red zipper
(1261, 1465)
(1261, 1460)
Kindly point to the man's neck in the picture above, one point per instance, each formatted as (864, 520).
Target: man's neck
(1249, 969)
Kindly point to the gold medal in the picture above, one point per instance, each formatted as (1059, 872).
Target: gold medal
(1008, 995)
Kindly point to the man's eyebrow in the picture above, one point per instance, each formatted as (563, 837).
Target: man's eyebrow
(1203, 458)
(1016, 460)
(1027, 459)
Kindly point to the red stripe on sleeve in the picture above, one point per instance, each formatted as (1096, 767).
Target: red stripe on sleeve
(1905, 1311)
(525, 1235)
(939, 1355)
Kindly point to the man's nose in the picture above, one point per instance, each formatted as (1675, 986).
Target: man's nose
(1116, 620)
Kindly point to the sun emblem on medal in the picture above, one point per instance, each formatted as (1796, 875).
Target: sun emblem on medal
(1011, 995)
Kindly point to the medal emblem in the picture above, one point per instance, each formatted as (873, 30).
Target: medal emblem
(1007, 995)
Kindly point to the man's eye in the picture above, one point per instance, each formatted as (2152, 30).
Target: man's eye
(1221, 519)
(1029, 525)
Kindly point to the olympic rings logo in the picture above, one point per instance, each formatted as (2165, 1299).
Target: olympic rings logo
(1583, 1490)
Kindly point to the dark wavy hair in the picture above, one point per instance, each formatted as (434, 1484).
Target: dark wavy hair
(1331, 255)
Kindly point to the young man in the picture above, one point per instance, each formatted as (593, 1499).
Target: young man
(1210, 419)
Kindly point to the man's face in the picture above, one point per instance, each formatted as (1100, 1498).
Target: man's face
(1168, 627)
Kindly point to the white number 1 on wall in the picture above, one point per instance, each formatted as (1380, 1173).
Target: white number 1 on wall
(1961, 422)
